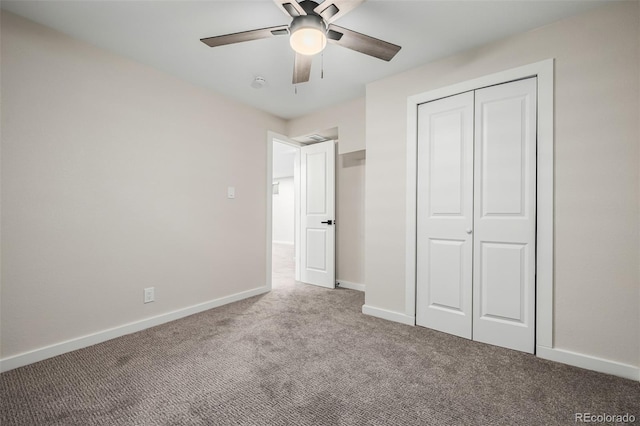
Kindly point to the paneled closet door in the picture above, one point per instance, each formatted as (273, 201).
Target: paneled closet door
(505, 215)
(445, 215)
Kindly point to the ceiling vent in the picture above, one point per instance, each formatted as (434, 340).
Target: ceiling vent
(317, 138)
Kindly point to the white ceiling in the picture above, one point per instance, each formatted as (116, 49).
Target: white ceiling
(165, 35)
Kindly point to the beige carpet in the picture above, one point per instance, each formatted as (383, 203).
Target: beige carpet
(303, 355)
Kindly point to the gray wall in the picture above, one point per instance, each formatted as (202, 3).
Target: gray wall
(350, 169)
(348, 117)
(597, 217)
(114, 178)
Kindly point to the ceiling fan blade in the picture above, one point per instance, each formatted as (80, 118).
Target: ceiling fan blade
(301, 68)
(362, 43)
(245, 36)
(331, 10)
(290, 7)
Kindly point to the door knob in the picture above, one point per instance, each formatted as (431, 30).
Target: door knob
(469, 231)
(328, 222)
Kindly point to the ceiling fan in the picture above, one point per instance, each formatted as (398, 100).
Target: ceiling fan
(310, 30)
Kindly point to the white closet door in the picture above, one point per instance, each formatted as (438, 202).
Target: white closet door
(505, 215)
(445, 215)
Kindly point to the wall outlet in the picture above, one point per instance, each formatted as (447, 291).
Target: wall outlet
(149, 294)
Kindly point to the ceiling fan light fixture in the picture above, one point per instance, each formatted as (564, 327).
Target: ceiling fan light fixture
(308, 35)
(308, 41)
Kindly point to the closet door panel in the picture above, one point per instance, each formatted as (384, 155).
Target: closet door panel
(504, 215)
(445, 215)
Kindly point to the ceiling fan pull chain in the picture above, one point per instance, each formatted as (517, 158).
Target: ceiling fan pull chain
(295, 88)
(322, 65)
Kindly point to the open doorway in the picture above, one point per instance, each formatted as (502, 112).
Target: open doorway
(314, 227)
(284, 203)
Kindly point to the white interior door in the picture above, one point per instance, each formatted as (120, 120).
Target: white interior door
(317, 204)
(505, 215)
(445, 215)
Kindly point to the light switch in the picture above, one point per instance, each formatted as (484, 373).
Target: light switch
(231, 192)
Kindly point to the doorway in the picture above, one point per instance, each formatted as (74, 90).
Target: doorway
(284, 207)
(302, 175)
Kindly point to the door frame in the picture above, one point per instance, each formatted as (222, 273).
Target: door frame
(543, 70)
(277, 137)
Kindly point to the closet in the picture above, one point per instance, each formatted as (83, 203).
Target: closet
(476, 215)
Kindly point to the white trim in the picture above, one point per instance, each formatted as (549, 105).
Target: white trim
(544, 239)
(350, 285)
(411, 240)
(388, 315)
(544, 206)
(286, 243)
(298, 211)
(589, 362)
(269, 211)
(40, 354)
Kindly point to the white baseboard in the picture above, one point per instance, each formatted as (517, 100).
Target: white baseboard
(40, 354)
(286, 243)
(350, 285)
(388, 315)
(589, 362)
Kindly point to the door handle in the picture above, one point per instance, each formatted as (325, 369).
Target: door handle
(329, 222)
(469, 231)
